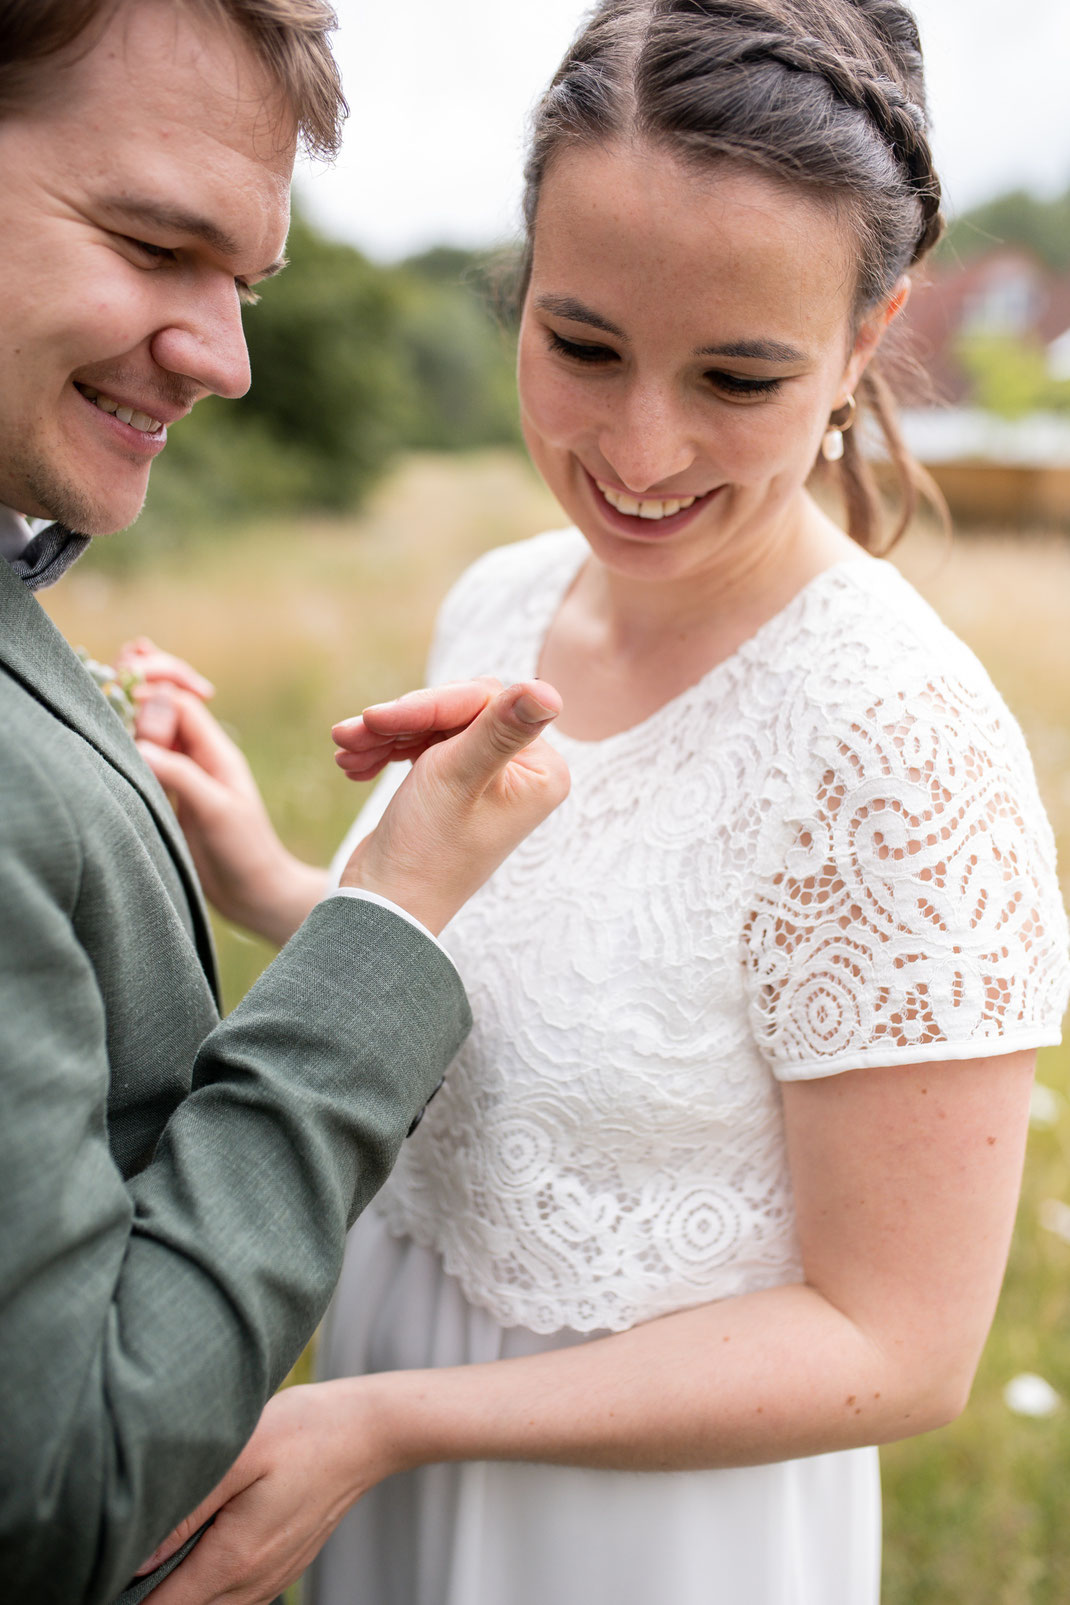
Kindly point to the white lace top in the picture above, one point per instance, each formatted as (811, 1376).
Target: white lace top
(828, 853)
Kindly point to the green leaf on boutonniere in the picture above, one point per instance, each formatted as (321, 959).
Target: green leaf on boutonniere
(116, 686)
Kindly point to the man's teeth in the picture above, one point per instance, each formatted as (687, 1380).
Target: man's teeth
(126, 415)
(646, 508)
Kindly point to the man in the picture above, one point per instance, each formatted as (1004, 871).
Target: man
(176, 1190)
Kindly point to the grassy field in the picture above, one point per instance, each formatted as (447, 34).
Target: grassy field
(304, 622)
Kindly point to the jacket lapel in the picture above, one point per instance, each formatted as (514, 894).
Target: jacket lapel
(37, 655)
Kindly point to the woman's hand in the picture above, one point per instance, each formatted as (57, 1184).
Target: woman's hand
(314, 1452)
(481, 781)
(246, 872)
(408, 726)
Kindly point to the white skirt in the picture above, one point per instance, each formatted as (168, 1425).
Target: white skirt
(802, 1532)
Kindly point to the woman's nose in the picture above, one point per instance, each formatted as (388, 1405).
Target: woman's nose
(647, 441)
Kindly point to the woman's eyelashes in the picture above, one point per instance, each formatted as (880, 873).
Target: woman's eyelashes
(735, 384)
(578, 351)
(740, 386)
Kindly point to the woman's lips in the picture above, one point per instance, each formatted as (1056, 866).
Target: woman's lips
(646, 527)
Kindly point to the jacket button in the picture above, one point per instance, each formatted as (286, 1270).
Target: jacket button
(432, 1094)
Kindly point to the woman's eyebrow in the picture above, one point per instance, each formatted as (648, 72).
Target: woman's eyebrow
(760, 350)
(566, 306)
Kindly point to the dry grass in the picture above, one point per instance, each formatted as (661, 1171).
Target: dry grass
(299, 624)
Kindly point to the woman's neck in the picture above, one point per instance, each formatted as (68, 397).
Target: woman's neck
(621, 645)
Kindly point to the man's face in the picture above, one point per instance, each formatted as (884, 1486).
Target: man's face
(141, 191)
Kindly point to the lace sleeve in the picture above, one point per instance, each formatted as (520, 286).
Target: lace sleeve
(910, 910)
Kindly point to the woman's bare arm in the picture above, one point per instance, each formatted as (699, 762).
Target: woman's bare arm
(906, 1181)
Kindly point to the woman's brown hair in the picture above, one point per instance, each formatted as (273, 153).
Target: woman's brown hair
(290, 37)
(823, 94)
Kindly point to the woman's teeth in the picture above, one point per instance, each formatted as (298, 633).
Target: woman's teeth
(646, 508)
(126, 415)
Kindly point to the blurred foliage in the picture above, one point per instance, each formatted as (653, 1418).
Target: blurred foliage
(1009, 375)
(1016, 218)
(352, 362)
(458, 377)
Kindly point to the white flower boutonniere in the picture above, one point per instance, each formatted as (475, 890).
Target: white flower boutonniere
(116, 685)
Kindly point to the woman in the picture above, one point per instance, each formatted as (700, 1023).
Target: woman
(718, 1195)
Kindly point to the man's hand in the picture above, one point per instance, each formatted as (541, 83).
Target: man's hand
(481, 783)
(305, 1465)
(246, 872)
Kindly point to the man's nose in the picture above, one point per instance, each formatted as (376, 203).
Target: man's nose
(207, 343)
(647, 440)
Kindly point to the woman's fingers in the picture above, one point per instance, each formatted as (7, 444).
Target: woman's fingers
(375, 752)
(154, 665)
(440, 710)
(466, 804)
(194, 732)
(238, 1477)
(407, 727)
(188, 784)
(156, 717)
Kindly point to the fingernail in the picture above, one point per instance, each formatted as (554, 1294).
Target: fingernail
(531, 711)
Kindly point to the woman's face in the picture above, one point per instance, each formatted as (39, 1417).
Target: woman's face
(685, 336)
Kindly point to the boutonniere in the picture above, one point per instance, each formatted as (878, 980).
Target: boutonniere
(117, 686)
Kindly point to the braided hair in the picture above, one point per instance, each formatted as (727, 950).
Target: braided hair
(825, 94)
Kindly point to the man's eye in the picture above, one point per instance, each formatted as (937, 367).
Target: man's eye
(579, 352)
(158, 253)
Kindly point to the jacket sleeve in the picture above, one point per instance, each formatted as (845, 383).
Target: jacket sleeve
(144, 1323)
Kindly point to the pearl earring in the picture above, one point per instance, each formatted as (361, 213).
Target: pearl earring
(832, 444)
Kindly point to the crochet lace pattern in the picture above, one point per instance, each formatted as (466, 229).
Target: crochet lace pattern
(827, 854)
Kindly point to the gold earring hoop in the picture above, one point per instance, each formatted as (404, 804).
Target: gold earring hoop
(832, 443)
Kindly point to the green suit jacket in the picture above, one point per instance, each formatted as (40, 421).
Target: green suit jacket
(176, 1190)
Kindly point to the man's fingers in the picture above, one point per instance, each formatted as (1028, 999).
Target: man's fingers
(508, 724)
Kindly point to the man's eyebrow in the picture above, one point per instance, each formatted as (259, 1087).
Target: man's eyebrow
(759, 350)
(566, 306)
(176, 220)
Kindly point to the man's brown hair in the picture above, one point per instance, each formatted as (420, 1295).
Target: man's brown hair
(290, 38)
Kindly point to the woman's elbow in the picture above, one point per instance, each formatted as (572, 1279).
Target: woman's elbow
(937, 1396)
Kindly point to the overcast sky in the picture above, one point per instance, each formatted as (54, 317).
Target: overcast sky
(440, 90)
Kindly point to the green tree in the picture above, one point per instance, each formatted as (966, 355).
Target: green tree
(1009, 376)
(1016, 218)
(459, 355)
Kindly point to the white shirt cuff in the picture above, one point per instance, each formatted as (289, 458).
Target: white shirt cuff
(384, 902)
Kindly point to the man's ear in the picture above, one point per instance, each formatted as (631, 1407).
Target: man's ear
(871, 332)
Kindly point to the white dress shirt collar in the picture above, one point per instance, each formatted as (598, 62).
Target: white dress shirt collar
(15, 533)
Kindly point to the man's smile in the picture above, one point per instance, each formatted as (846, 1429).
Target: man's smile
(127, 415)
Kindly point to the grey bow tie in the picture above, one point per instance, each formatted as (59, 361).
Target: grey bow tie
(48, 556)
